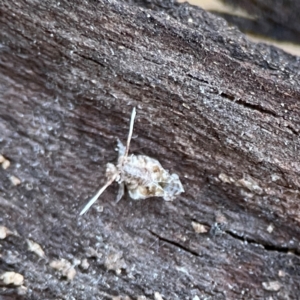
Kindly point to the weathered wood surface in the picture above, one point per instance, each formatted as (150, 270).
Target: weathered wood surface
(218, 110)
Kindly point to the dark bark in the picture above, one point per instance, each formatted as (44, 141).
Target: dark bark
(218, 110)
(275, 19)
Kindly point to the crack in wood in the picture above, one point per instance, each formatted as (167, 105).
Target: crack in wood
(176, 244)
(91, 59)
(266, 246)
(249, 105)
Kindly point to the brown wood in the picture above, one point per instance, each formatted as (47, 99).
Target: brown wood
(218, 110)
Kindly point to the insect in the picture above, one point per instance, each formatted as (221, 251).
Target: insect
(142, 175)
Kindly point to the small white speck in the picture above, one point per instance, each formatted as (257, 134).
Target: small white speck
(272, 286)
(157, 296)
(270, 228)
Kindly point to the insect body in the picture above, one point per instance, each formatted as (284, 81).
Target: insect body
(142, 175)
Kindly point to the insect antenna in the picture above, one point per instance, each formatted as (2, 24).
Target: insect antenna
(113, 178)
(133, 114)
(94, 199)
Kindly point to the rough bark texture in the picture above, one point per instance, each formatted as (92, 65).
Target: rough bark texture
(221, 112)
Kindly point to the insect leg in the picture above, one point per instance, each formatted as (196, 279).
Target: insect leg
(121, 148)
(120, 192)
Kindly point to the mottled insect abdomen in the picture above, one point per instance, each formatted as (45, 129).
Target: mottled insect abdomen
(145, 177)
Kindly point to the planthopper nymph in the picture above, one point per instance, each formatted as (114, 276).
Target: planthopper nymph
(142, 175)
